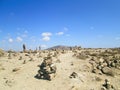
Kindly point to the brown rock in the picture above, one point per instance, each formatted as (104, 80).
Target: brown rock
(73, 75)
(15, 69)
(108, 71)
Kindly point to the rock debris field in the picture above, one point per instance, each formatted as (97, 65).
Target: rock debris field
(76, 69)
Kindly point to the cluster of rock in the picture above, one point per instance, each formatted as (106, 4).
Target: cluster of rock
(105, 65)
(47, 69)
(73, 75)
(107, 85)
(103, 61)
(80, 54)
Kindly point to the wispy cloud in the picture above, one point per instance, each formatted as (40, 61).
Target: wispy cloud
(10, 40)
(65, 29)
(46, 36)
(19, 39)
(117, 38)
(23, 34)
(60, 33)
(33, 39)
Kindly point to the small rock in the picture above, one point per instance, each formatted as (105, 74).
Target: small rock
(107, 85)
(98, 79)
(16, 69)
(9, 83)
(58, 61)
(24, 62)
(31, 59)
(20, 58)
(73, 75)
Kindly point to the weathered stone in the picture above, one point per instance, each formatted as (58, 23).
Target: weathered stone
(112, 64)
(107, 86)
(24, 48)
(73, 75)
(10, 82)
(99, 67)
(9, 56)
(24, 62)
(96, 71)
(15, 69)
(20, 58)
(103, 88)
(31, 59)
(58, 61)
(104, 64)
(47, 69)
(101, 60)
(108, 71)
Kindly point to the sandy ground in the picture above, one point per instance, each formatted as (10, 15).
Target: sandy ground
(24, 78)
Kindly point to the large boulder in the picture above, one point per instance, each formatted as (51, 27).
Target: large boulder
(108, 71)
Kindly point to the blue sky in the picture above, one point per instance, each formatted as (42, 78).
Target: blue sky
(46, 23)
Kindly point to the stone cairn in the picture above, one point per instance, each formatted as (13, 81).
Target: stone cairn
(107, 85)
(24, 48)
(47, 69)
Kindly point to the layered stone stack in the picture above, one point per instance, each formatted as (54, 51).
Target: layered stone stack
(47, 69)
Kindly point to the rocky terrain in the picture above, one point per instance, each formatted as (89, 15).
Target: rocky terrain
(77, 69)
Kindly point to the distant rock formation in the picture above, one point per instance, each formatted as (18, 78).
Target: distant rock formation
(62, 47)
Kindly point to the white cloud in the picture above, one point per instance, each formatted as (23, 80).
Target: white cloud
(10, 40)
(60, 33)
(19, 39)
(46, 34)
(46, 38)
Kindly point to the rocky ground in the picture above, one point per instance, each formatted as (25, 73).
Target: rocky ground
(84, 69)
